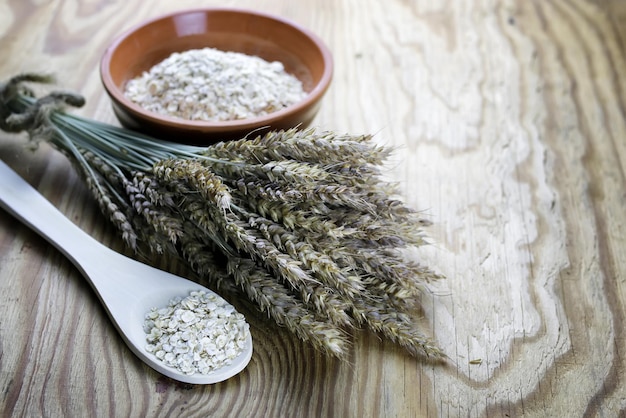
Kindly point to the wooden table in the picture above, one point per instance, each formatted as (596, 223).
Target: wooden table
(509, 120)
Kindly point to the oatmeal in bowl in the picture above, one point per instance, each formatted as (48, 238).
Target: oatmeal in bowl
(205, 75)
(213, 85)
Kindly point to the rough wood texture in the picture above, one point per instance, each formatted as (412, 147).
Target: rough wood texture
(509, 119)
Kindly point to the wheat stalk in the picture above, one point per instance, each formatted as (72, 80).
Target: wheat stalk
(299, 221)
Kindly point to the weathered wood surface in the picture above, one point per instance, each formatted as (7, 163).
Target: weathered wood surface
(509, 119)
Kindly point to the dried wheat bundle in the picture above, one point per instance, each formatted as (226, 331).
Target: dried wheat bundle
(298, 220)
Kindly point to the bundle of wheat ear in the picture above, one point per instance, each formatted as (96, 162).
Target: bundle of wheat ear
(298, 221)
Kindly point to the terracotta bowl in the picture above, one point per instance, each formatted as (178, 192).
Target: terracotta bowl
(272, 38)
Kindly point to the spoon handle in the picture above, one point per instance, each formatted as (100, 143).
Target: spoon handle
(116, 279)
(26, 204)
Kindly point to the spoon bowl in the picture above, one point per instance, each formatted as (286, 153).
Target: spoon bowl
(127, 288)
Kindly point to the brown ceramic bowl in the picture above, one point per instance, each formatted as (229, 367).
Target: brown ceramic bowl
(272, 38)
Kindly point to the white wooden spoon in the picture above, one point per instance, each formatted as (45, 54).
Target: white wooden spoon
(126, 287)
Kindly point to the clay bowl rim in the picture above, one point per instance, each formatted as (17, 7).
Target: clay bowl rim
(137, 112)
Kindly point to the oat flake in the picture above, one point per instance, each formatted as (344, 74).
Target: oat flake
(197, 334)
(212, 85)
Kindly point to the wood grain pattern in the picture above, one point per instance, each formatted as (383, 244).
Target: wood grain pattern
(509, 120)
